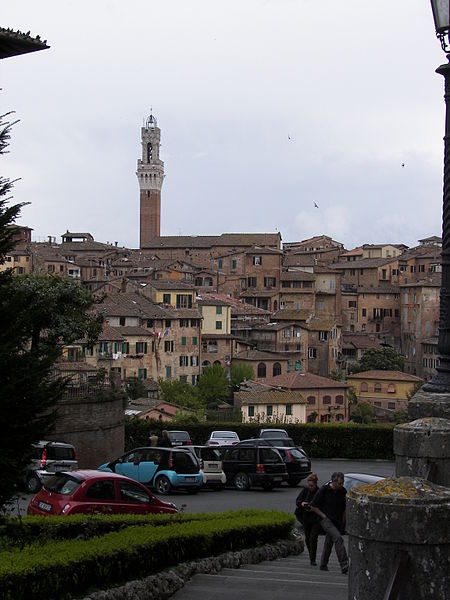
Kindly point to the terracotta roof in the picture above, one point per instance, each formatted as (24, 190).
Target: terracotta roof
(299, 381)
(363, 263)
(385, 375)
(355, 252)
(274, 326)
(300, 314)
(263, 250)
(136, 330)
(299, 260)
(208, 241)
(362, 341)
(256, 293)
(110, 334)
(260, 355)
(270, 397)
(159, 284)
(237, 306)
(434, 281)
(382, 289)
(297, 276)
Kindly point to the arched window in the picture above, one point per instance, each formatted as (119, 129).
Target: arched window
(339, 417)
(326, 400)
(364, 387)
(261, 369)
(311, 399)
(216, 362)
(339, 399)
(391, 388)
(276, 369)
(312, 418)
(205, 365)
(198, 282)
(324, 418)
(275, 306)
(377, 387)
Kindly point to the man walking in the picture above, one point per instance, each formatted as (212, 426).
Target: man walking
(329, 505)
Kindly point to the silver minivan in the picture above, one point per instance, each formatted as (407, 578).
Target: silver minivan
(47, 458)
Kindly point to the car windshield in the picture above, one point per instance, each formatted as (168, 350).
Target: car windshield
(274, 433)
(179, 435)
(224, 434)
(62, 484)
(209, 454)
(286, 442)
(269, 455)
(296, 453)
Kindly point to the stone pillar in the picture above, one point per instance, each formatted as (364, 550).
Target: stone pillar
(422, 449)
(399, 539)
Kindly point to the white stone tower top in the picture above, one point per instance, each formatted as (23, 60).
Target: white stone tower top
(150, 169)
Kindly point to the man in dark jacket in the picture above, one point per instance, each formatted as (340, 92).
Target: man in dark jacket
(307, 517)
(329, 505)
(164, 441)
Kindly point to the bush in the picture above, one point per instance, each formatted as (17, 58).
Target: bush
(60, 568)
(320, 440)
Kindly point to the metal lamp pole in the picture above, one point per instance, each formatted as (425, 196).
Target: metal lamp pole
(440, 383)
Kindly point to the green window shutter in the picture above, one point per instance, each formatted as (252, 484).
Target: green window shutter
(183, 341)
(137, 348)
(153, 345)
(145, 347)
(115, 347)
(194, 341)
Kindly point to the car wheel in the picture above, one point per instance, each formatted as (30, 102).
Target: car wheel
(33, 484)
(162, 485)
(241, 481)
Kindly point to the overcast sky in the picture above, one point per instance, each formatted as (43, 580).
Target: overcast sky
(265, 108)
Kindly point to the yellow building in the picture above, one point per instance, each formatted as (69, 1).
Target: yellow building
(387, 390)
(272, 406)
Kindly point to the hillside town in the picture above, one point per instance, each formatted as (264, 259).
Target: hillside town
(298, 313)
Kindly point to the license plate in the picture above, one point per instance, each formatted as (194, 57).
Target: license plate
(45, 506)
(190, 478)
(211, 467)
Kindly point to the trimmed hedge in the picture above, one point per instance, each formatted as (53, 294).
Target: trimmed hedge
(65, 568)
(15, 532)
(320, 440)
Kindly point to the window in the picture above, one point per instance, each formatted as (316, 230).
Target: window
(285, 284)
(150, 323)
(377, 403)
(183, 378)
(168, 372)
(364, 387)
(218, 324)
(251, 410)
(194, 361)
(326, 400)
(320, 306)
(269, 410)
(141, 347)
(288, 410)
(323, 336)
(270, 282)
(311, 400)
(183, 341)
(125, 348)
(377, 387)
(233, 264)
(122, 321)
(166, 298)
(168, 346)
(129, 492)
(352, 303)
(391, 405)
(184, 301)
(168, 322)
(391, 388)
(50, 268)
(142, 373)
(383, 273)
(363, 327)
(194, 341)
(339, 399)
(307, 284)
(101, 490)
(261, 370)
(184, 361)
(251, 281)
(220, 263)
(364, 312)
(257, 260)
(312, 353)
(276, 369)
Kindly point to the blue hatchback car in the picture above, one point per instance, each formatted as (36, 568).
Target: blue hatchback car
(164, 469)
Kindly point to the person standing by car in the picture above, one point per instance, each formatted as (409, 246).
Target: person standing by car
(329, 505)
(153, 439)
(308, 518)
(164, 441)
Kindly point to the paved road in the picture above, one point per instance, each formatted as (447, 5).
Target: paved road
(291, 578)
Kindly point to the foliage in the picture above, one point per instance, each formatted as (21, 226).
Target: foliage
(182, 394)
(213, 385)
(384, 359)
(320, 440)
(135, 388)
(36, 315)
(61, 568)
(351, 396)
(239, 373)
(337, 376)
(400, 416)
(416, 388)
(362, 413)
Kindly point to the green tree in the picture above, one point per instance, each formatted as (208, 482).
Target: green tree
(239, 373)
(182, 394)
(213, 385)
(362, 413)
(384, 359)
(37, 315)
(135, 388)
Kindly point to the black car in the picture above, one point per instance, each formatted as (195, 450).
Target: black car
(297, 463)
(258, 464)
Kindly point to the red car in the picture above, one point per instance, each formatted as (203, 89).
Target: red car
(89, 491)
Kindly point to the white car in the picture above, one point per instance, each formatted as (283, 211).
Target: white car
(223, 438)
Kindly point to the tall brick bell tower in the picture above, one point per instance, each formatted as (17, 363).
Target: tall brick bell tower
(150, 174)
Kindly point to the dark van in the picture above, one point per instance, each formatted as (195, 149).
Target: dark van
(253, 465)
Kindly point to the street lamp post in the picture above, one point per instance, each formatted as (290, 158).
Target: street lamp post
(440, 383)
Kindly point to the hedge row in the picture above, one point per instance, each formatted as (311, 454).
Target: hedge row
(66, 568)
(15, 532)
(320, 440)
